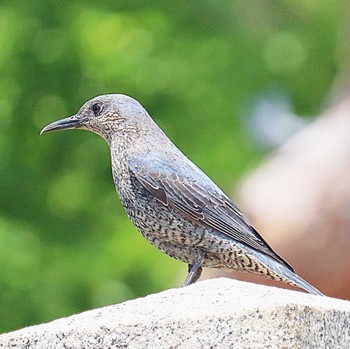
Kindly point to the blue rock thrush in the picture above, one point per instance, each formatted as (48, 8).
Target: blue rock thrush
(173, 204)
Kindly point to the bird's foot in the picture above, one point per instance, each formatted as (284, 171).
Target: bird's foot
(194, 272)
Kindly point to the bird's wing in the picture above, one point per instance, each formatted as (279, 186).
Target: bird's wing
(184, 187)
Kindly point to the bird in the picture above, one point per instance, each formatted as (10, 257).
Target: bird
(170, 200)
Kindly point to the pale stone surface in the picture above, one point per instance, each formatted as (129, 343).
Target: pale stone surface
(217, 313)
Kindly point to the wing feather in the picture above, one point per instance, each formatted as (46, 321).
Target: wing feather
(188, 190)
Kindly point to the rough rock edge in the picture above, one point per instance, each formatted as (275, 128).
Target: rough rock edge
(217, 313)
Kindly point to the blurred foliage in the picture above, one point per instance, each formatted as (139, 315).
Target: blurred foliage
(65, 243)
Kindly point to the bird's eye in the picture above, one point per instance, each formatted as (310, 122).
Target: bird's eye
(97, 108)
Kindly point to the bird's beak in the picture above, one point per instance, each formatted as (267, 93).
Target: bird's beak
(63, 124)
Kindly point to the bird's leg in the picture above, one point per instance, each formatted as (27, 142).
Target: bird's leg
(194, 272)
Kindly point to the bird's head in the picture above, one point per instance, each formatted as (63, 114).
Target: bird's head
(105, 115)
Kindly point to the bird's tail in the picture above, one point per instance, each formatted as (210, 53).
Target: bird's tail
(295, 280)
(278, 271)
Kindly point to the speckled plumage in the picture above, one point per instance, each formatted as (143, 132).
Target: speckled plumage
(174, 205)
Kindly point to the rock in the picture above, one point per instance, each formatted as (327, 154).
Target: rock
(217, 313)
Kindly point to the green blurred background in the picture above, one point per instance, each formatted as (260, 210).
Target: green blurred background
(199, 67)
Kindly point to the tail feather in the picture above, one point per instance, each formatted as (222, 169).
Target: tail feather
(298, 281)
(280, 272)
